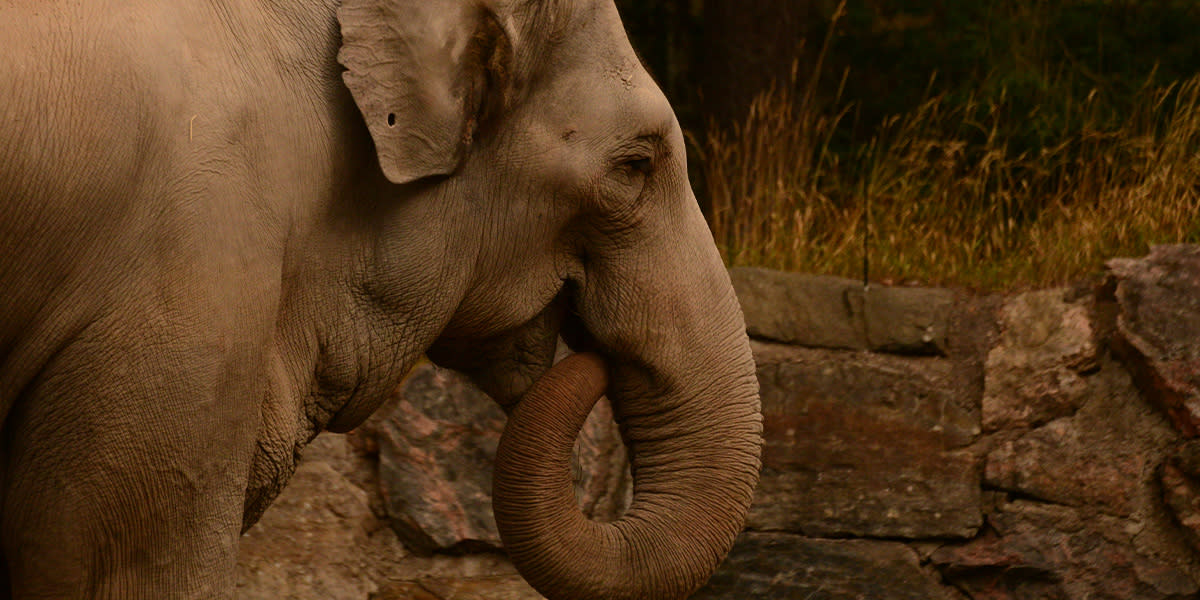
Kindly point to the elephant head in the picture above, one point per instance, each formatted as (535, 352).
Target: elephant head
(532, 133)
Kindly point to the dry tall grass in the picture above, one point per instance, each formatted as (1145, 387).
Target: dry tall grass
(948, 211)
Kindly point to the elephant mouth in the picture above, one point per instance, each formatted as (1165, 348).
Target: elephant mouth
(572, 330)
(506, 364)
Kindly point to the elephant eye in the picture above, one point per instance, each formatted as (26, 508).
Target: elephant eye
(634, 162)
(639, 165)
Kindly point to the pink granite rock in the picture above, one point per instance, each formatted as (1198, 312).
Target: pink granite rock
(1158, 328)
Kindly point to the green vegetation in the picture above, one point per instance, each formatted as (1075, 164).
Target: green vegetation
(995, 144)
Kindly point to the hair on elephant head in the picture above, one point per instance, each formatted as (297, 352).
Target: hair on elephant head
(356, 184)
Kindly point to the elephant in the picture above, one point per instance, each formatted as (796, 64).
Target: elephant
(229, 225)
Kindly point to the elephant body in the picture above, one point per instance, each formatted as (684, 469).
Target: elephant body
(155, 172)
(228, 225)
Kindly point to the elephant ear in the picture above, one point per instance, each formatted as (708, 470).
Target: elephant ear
(421, 72)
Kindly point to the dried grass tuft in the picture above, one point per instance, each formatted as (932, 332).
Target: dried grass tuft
(948, 209)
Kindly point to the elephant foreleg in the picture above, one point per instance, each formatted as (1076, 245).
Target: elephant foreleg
(81, 522)
(123, 484)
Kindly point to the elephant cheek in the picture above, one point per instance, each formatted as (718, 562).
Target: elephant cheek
(505, 366)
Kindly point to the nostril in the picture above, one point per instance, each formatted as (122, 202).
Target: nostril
(391, 119)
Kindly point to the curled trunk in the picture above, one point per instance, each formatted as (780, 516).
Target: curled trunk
(694, 467)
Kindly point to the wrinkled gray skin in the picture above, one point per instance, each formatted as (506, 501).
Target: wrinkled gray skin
(223, 230)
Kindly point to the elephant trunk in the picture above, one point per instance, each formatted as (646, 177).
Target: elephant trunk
(695, 466)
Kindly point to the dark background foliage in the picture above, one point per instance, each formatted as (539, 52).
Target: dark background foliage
(1031, 57)
(985, 143)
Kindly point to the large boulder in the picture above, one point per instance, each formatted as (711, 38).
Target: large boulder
(861, 444)
(320, 538)
(784, 567)
(1158, 327)
(436, 442)
(818, 311)
(1179, 479)
(1035, 373)
(324, 539)
(1038, 550)
(1103, 456)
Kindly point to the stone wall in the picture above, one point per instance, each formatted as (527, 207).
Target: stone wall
(920, 443)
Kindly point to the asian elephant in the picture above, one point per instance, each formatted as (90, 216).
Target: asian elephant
(227, 225)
